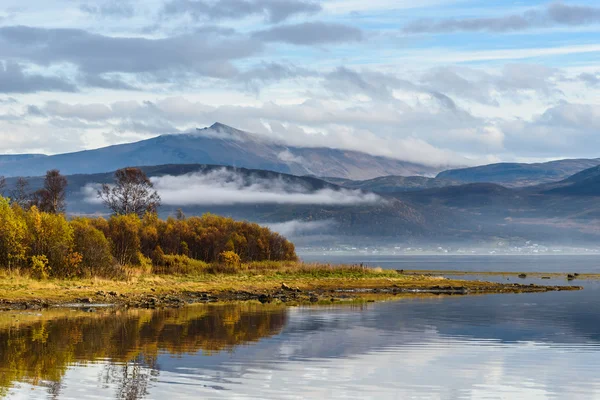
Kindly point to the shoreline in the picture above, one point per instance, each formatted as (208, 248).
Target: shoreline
(287, 289)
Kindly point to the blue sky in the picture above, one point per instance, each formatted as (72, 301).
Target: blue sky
(436, 81)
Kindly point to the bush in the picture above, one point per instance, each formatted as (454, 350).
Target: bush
(180, 265)
(52, 236)
(123, 231)
(94, 248)
(47, 243)
(39, 267)
(13, 236)
(230, 259)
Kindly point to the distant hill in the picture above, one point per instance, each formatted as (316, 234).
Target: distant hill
(390, 217)
(520, 175)
(394, 184)
(584, 183)
(10, 158)
(220, 145)
(567, 211)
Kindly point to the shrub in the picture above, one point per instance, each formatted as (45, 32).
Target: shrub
(52, 236)
(180, 265)
(39, 267)
(97, 247)
(93, 246)
(230, 258)
(123, 231)
(13, 236)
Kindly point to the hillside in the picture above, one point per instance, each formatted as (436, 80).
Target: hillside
(394, 184)
(520, 175)
(584, 183)
(314, 212)
(11, 158)
(218, 145)
(342, 213)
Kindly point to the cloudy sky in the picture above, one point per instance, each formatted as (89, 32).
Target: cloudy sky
(462, 81)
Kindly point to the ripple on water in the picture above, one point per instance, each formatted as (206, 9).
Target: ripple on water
(518, 346)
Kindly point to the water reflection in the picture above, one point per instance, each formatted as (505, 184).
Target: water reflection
(528, 346)
(38, 349)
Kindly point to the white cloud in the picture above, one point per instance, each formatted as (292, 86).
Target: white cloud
(287, 156)
(298, 227)
(102, 72)
(226, 187)
(223, 187)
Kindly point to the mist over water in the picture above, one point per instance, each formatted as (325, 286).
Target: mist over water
(561, 263)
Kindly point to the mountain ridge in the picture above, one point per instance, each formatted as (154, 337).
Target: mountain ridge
(520, 174)
(222, 145)
(474, 211)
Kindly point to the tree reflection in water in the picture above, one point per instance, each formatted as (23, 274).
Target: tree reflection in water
(39, 349)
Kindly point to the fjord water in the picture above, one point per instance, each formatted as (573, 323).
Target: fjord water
(522, 346)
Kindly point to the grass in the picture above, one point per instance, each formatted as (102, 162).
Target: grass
(251, 277)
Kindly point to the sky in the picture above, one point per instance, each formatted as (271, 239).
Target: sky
(454, 82)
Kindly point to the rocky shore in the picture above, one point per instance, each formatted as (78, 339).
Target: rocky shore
(284, 293)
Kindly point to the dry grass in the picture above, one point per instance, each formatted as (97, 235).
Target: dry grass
(17, 286)
(251, 277)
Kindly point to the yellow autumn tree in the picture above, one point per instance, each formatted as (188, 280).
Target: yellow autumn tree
(52, 236)
(13, 237)
(94, 247)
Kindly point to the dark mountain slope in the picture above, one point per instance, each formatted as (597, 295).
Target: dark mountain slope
(584, 183)
(394, 184)
(519, 175)
(388, 217)
(478, 212)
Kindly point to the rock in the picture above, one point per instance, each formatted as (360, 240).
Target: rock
(115, 294)
(523, 276)
(85, 301)
(263, 298)
(289, 288)
(571, 277)
(314, 299)
(546, 277)
(576, 275)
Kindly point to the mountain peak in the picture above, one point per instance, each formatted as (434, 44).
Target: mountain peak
(218, 126)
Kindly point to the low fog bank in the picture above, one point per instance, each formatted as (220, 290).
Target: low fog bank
(369, 246)
(227, 187)
(297, 228)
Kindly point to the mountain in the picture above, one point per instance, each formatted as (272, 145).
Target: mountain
(220, 145)
(520, 175)
(10, 158)
(339, 217)
(564, 212)
(393, 184)
(584, 183)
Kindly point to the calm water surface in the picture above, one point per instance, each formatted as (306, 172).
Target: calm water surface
(528, 346)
